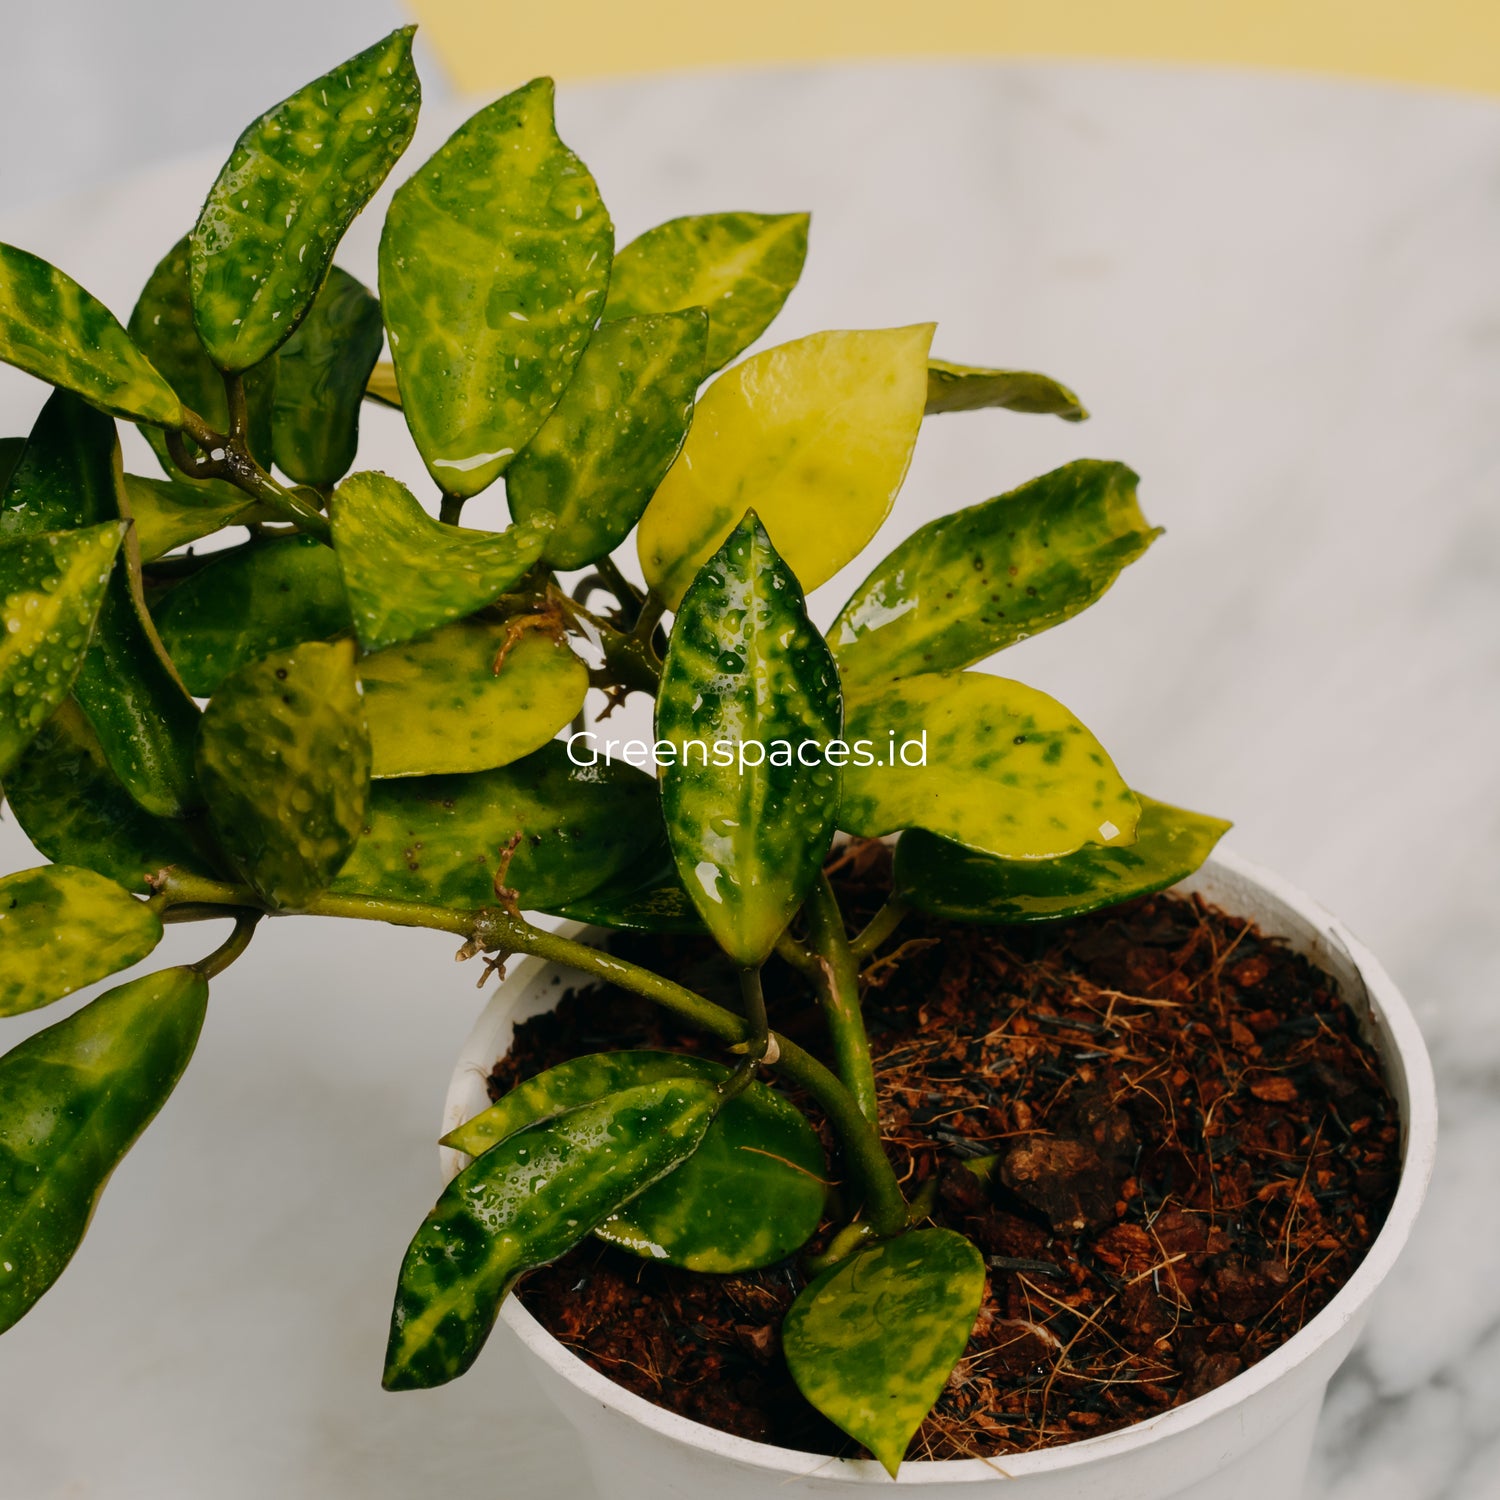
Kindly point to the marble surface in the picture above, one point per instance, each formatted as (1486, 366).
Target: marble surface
(1279, 296)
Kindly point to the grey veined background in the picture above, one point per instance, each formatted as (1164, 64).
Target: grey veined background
(1281, 298)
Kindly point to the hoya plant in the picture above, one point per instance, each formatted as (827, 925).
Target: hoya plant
(352, 705)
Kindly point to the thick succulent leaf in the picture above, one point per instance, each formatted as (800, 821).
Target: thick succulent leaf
(1006, 769)
(284, 758)
(937, 876)
(493, 266)
(649, 896)
(438, 704)
(51, 589)
(252, 601)
(872, 1342)
(406, 573)
(61, 928)
(73, 1100)
(746, 666)
(740, 268)
(523, 1204)
(968, 584)
(296, 178)
(439, 838)
(169, 513)
(320, 381)
(815, 436)
(73, 807)
(750, 1195)
(612, 437)
(972, 387)
(53, 329)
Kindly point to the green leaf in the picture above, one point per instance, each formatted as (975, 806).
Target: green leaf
(438, 838)
(815, 436)
(948, 880)
(284, 758)
(739, 267)
(648, 896)
(968, 584)
(745, 665)
(1005, 769)
(73, 1100)
(523, 1204)
(169, 513)
(872, 1342)
(750, 1195)
(438, 705)
(53, 329)
(406, 573)
(10, 455)
(62, 928)
(493, 265)
(73, 807)
(599, 457)
(381, 387)
(320, 382)
(971, 387)
(293, 183)
(252, 601)
(51, 589)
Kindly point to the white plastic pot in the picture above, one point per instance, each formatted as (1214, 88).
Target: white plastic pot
(1247, 1440)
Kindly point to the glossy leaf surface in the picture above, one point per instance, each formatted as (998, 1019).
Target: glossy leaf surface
(612, 436)
(815, 436)
(524, 1203)
(407, 573)
(970, 583)
(937, 876)
(73, 1100)
(972, 387)
(740, 268)
(437, 705)
(169, 513)
(872, 1341)
(251, 602)
(493, 266)
(648, 896)
(1008, 770)
(296, 178)
(53, 329)
(61, 928)
(746, 666)
(284, 758)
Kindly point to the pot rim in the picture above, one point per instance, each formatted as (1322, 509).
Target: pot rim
(1409, 1072)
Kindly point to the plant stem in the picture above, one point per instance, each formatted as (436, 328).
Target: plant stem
(837, 983)
(451, 508)
(626, 594)
(232, 946)
(757, 1045)
(879, 928)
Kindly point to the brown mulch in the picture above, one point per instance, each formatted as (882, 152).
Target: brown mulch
(1187, 1147)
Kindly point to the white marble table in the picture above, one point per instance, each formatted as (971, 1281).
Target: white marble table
(1281, 297)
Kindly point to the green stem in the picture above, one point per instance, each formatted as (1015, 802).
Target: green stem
(837, 984)
(232, 946)
(451, 508)
(757, 1045)
(879, 928)
(626, 594)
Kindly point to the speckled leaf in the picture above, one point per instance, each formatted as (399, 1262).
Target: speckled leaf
(296, 178)
(73, 1100)
(872, 1342)
(968, 584)
(53, 329)
(320, 381)
(407, 573)
(438, 705)
(51, 588)
(972, 387)
(815, 436)
(1007, 770)
(169, 513)
(438, 838)
(739, 267)
(252, 601)
(523, 1204)
(493, 266)
(62, 928)
(284, 758)
(944, 878)
(746, 665)
(601, 454)
(649, 896)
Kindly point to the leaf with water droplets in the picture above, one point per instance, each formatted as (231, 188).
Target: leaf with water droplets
(293, 183)
(493, 265)
(169, 513)
(284, 758)
(972, 387)
(745, 666)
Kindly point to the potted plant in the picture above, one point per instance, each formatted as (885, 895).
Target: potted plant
(366, 711)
